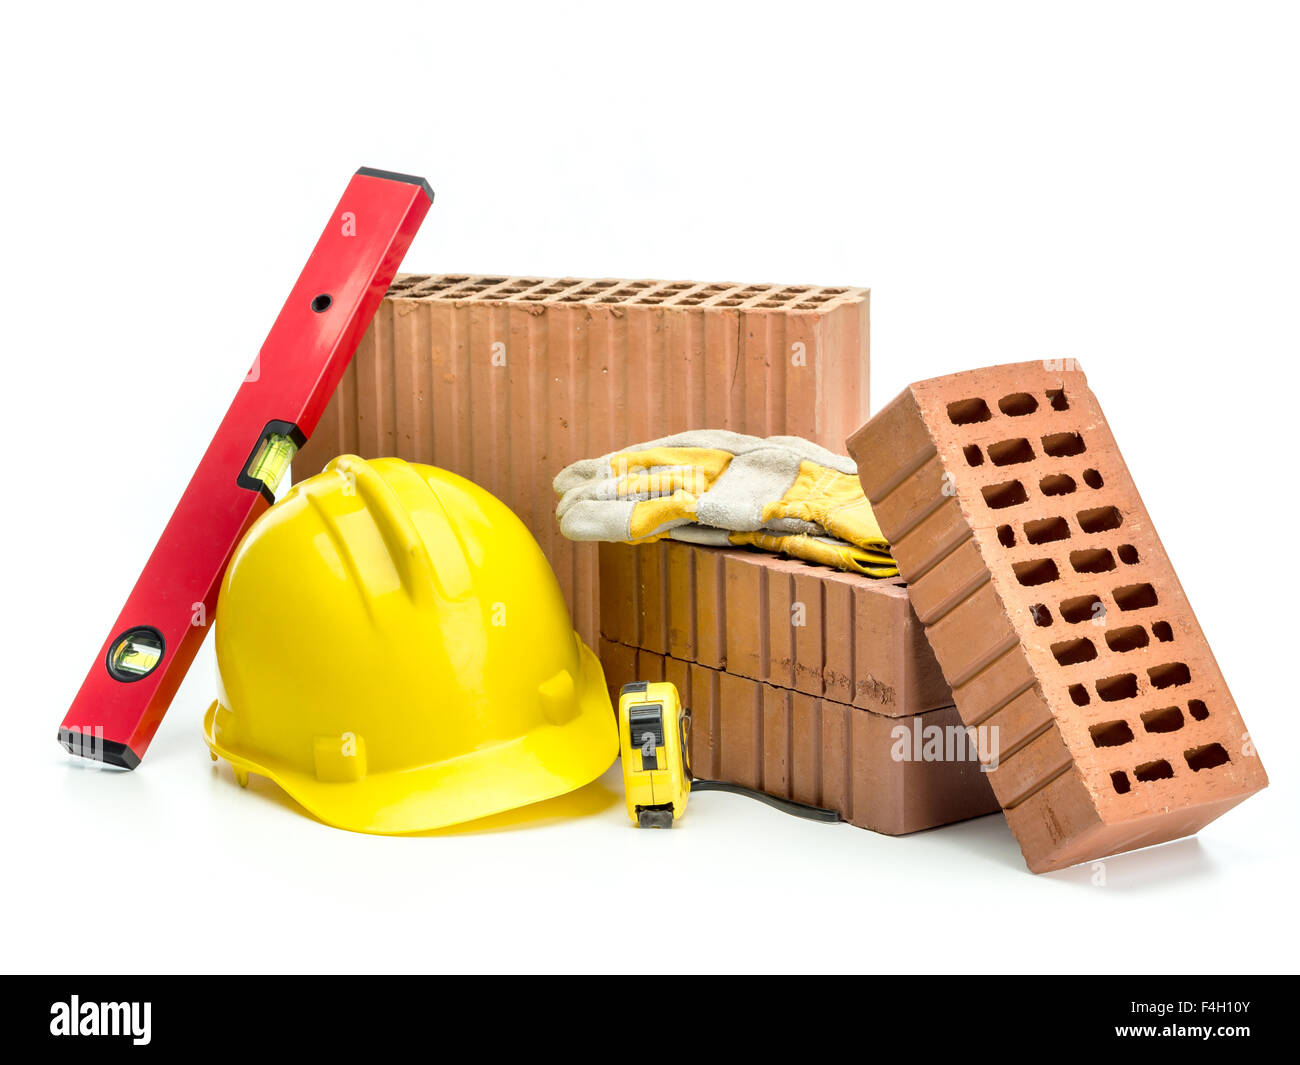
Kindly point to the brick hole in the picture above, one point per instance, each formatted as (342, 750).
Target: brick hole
(769, 303)
(1120, 686)
(1006, 494)
(974, 456)
(1072, 652)
(1041, 615)
(1130, 638)
(1079, 695)
(1119, 781)
(1093, 560)
(1198, 709)
(1006, 536)
(1170, 675)
(1100, 519)
(492, 280)
(835, 291)
(1036, 571)
(1063, 445)
(448, 279)
(1009, 452)
(1135, 596)
(608, 299)
(1149, 771)
(1092, 478)
(1056, 396)
(1206, 757)
(1017, 404)
(1128, 554)
(1164, 632)
(968, 411)
(1080, 608)
(1056, 484)
(1168, 719)
(1111, 734)
(1047, 530)
(806, 306)
(730, 303)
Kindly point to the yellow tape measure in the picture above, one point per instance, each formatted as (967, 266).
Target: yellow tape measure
(652, 730)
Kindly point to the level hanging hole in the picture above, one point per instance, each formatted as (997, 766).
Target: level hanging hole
(135, 654)
(322, 302)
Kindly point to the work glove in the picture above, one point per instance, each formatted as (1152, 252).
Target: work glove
(712, 486)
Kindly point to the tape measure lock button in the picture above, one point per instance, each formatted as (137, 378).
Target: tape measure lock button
(646, 725)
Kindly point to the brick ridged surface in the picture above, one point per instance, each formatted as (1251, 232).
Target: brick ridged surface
(810, 749)
(1054, 611)
(506, 380)
(784, 622)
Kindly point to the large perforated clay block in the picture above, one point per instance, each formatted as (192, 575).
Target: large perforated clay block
(506, 380)
(1054, 611)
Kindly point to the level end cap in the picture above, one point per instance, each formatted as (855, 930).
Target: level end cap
(98, 749)
(392, 175)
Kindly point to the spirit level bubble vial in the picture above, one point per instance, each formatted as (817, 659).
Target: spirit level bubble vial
(147, 653)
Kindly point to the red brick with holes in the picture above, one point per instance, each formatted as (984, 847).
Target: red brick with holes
(1054, 611)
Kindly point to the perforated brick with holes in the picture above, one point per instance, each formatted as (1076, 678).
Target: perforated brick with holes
(1054, 611)
(506, 380)
(627, 293)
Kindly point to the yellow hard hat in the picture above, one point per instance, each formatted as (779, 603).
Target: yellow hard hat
(394, 651)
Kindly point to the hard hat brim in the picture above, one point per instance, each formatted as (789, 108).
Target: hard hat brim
(538, 765)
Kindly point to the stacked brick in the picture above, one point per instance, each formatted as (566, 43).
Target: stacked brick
(506, 380)
(1054, 611)
(780, 621)
(803, 682)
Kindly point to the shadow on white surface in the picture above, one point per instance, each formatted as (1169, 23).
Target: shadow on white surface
(1180, 861)
(589, 801)
(988, 836)
(1153, 868)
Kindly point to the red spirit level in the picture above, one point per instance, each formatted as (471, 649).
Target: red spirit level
(159, 631)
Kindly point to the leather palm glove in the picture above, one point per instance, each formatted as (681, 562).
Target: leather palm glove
(712, 486)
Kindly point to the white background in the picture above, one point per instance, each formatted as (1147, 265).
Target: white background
(1111, 182)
